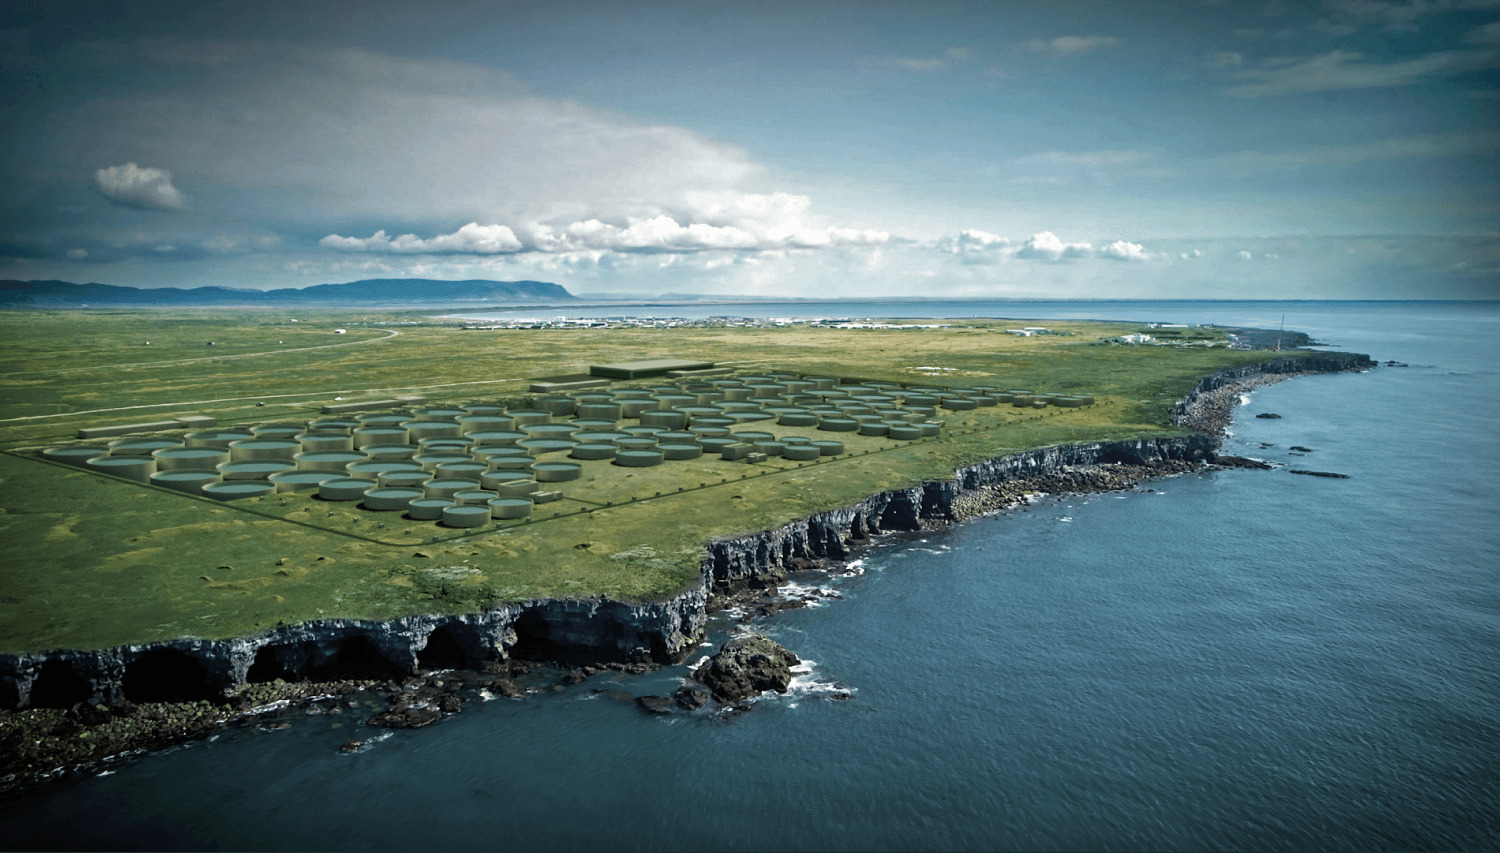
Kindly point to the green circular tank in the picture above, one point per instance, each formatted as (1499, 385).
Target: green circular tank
(681, 451)
(390, 498)
(172, 458)
(79, 454)
(462, 516)
(187, 480)
(387, 452)
(557, 472)
(829, 448)
(447, 488)
(510, 507)
(215, 437)
(638, 458)
(328, 460)
(137, 468)
(140, 446)
(594, 451)
(238, 489)
(427, 509)
(253, 470)
(403, 479)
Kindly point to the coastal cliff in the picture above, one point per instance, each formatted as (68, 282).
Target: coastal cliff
(601, 630)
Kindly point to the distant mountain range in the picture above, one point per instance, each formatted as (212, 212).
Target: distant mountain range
(374, 291)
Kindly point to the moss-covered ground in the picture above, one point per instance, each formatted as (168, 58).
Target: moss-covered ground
(91, 561)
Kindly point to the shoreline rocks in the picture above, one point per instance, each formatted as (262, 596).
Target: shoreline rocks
(747, 666)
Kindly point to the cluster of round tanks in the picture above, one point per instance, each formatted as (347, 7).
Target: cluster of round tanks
(463, 466)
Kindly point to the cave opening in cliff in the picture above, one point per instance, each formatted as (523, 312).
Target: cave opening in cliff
(357, 658)
(58, 685)
(167, 675)
(268, 666)
(443, 651)
(533, 638)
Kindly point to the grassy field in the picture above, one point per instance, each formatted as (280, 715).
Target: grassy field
(90, 561)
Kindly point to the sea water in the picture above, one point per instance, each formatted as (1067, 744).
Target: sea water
(1234, 660)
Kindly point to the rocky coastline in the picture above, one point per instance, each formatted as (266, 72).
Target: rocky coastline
(72, 711)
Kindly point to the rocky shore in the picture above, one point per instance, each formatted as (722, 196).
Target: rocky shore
(411, 672)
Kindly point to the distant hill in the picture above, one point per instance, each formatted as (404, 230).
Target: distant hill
(374, 291)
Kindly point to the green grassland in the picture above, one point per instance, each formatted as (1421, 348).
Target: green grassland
(91, 561)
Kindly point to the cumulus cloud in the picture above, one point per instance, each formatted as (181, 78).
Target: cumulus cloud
(1071, 45)
(471, 239)
(1243, 255)
(1187, 256)
(772, 229)
(1046, 246)
(1121, 250)
(144, 188)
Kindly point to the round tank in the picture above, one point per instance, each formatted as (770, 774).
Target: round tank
(430, 461)
(296, 481)
(173, 458)
(466, 516)
(983, 400)
(382, 419)
(237, 489)
(960, 404)
(77, 454)
(264, 448)
(215, 437)
(593, 451)
(185, 479)
(137, 468)
(736, 450)
(801, 452)
(664, 418)
(632, 408)
(1038, 403)
(388, 452)
(599, 437)
(1021, 401)
(484, 409)
(390, 498)
(798, 419)
(496, 437)
(276, 430)
(550, 430)
(770, 447)
(543, 446)
(830, 448)
(253, 469)
(559, 405)
(485, 423)
(463, 470)
(732, 394)
(636, 443)
(681, 451)
(642, 431)
(368, 435)
(905, 432)
(715, 444)
(752, 436)
(492, 480)
(557, 472)
(638, 458)
(447, 488)
(418, 430)
(593, 424)
(428, 509)
(509, 463)
(930, 428)
(474, 497)
(838, 425)
(676, 437)
(403, 479)
(716, 421)
(371, 469)
(327, 460)
(442, 413)
(490, 453)
(312, 442)
(525, 419)
(822, 383)
(140, 446)
(445, 445)
(344, 425)
(510, 507)
(709, 431)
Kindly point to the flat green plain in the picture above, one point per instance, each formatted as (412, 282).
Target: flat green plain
(88, 561)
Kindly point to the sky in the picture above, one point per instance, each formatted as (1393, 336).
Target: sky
(1215, 150)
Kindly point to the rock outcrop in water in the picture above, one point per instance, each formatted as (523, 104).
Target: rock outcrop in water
(747, 666)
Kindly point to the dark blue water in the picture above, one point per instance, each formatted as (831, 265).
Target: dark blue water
(1238, 660)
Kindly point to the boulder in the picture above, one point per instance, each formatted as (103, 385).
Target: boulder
(745, 666)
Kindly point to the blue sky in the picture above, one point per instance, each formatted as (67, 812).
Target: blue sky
(1344, 149)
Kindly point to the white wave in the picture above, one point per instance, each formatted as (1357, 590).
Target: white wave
(1244, 399)
(1066, 518)
(269, 707)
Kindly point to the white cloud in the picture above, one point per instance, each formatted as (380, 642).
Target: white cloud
(78, 254)
(1071, 45)
(1196, 253)
(1047, 246)
(1431, 145)
(1342, 69)
(1121, 250)
(1243, 255)
(1224, 59)
(472, 239)
(144, 188)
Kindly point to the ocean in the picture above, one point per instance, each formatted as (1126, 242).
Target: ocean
(1235, 660)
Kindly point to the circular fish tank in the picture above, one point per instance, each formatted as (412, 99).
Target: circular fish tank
(296, 481)
(215, 437)
(530, 418)
(312, 442)
(801, 452)
(403, 479)
(638, 458)
(430, 461)
(185, 479)
(371, 469)
(78, 454)
(343, 489)
(770, 447)
(664, 418)
(391, 498)
(172, 458)
(600, 411)
(460, 515)
(418, 430)
(442, 413)
(510, 507)
(489, 453)
(905, 432)
(485, 423)
(343, 425)
(496, 437)
(380, 435)
(515, 488)
(715, 443)
(550, 430)
(328, 460)
(635, 443)
(427, 509)
(681, 451)
(462, 470)
(448, 487)
(798, 419)
(388, 452)
(556, 405)
(137, 468)
(484, 409)
(930, 428)
(512, 463)
(838, 425)
(642, 431)
(830, 448)
(475, 497)
(276, 430)
(874, 428)
(543, 446)
(601, 450)
(238, 489)
(141, 446)
(557, 472)
(253, 470)
(381, 419)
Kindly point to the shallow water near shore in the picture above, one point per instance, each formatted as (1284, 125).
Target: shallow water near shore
(1235, 660)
